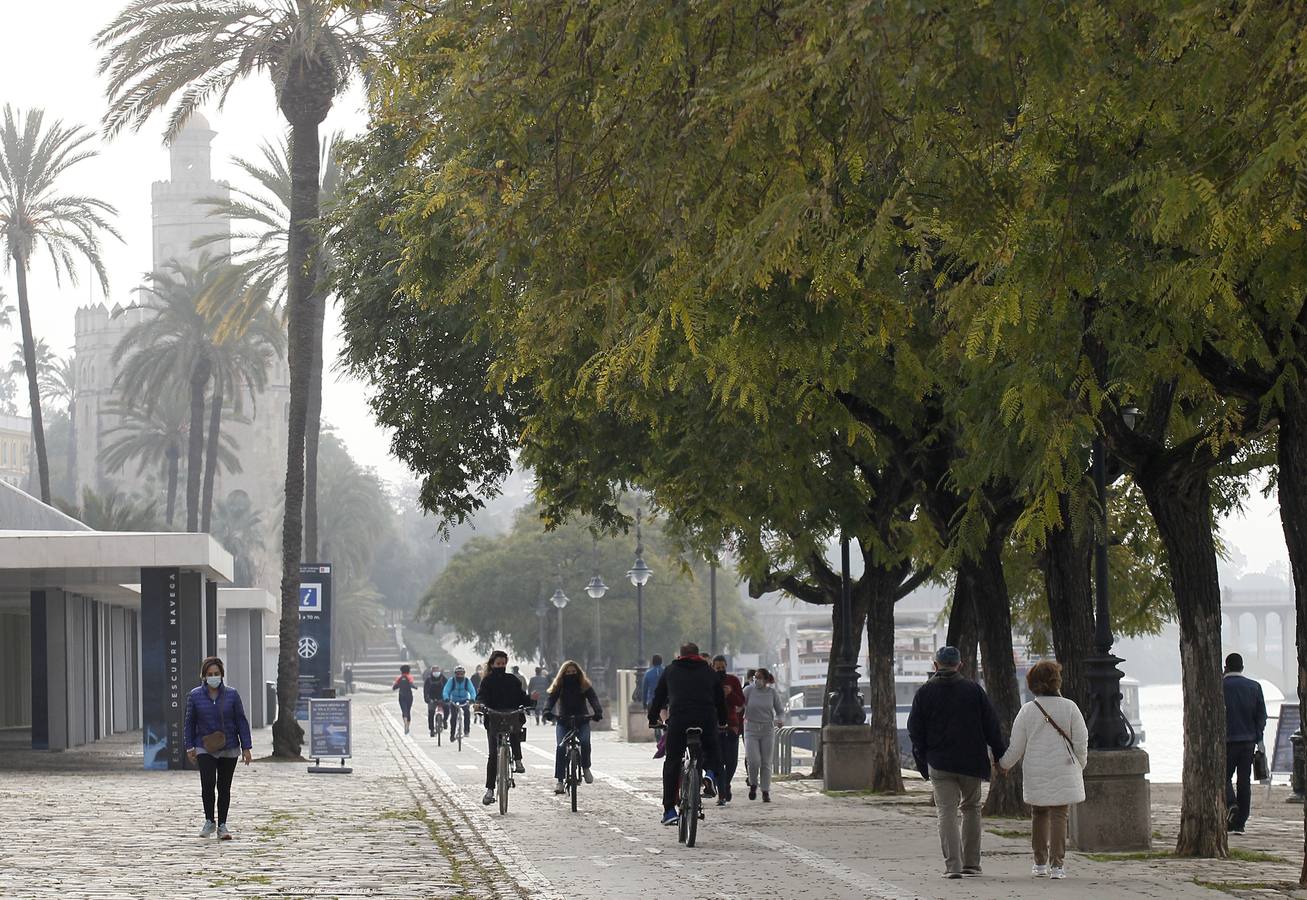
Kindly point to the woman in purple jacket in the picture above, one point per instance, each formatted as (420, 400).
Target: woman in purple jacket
(215, 708)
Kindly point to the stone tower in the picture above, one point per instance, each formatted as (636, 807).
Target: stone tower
(179, 219)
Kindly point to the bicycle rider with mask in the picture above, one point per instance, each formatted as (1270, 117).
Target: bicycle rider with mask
(691, 692)
(500, 691)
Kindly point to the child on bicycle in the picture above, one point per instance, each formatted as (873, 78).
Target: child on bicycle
(501, 691)
(575, 696)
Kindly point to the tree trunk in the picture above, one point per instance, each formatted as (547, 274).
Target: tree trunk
(886, 767)
(313, 427)
(33, 386)
(71, 460)
(174, 454)
(1180, 501)
(305, 112)
(1292, 455)
(211, 454)
(1070, 605)
(841, 631)
(994, 614)
(963, 628)
(195, 445)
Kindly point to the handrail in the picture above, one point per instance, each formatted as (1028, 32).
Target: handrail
(783, 752)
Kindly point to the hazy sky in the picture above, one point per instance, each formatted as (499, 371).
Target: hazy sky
(47, 61)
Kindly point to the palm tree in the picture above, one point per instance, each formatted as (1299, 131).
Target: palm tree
(173, 345)
(114, 511)
(262, 259)
(238, 526)
(158, 49)
(34, 214)
(59, 383)
(153, 435)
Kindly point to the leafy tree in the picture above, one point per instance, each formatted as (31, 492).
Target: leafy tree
(493, 588)
(34, 214)
(156, 50)
(239, 527)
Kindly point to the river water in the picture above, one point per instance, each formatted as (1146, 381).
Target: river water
(1161, 712)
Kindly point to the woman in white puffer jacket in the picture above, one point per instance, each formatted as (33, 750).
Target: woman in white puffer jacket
(1050, 734)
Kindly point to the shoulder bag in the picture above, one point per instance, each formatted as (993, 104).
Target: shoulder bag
(216, 741)
(1070, 748)
(1261, 771)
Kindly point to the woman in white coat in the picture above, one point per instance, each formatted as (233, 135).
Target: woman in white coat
(1050, 734)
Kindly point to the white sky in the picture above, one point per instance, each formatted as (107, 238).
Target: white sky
(47, 61)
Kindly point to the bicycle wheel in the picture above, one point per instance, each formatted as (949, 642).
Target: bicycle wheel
(504, 766)
(683, 804)
(440, 733)
(694, 801)
(574, 773)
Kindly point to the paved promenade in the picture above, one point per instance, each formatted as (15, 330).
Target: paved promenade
(409, 823)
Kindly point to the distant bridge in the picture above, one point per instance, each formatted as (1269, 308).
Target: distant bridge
(1271, 654)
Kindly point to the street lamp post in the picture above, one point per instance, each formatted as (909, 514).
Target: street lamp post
(712, 600)
(598, 671)
(846, 702)
(1108, 727)
(560, 600)
(639, 574)
(541, 612)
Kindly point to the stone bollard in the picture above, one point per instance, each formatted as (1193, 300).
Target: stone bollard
(1116, 814)
(846, 757)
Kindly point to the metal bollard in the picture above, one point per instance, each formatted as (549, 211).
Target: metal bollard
(1298, 778)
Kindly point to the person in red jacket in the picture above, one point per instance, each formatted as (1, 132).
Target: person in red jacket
(730, 732)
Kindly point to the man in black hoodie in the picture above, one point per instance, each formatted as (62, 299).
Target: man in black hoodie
(433, 689)
(691, 692)
(951, 724)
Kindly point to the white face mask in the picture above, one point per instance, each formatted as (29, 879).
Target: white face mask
(213, 681)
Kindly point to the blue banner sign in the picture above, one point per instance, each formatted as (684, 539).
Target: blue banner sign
(329, 725)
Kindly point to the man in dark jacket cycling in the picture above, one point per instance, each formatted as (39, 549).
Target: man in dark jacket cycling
(691, 692)
(433, 690)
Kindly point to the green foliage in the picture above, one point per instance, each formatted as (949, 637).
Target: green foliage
(492, 589)
(113, 510)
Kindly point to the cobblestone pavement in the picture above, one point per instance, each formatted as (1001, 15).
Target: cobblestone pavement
(409, 823)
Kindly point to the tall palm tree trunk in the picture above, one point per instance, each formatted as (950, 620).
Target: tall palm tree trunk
(195, 448)
(71, 459)
(313, 427)
(33, 387)
(211, 453)
(174, 455)
(305, 108)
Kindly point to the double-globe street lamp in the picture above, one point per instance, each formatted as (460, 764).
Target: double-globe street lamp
(639, 574)
(1108, 727)
(560, 601)
(596, 590)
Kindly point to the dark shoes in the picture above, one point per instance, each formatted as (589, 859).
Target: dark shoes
(766, 797)
(753, 792)
(518, 767)
(971, 872)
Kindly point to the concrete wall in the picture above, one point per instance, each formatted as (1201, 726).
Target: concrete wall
(15, 669)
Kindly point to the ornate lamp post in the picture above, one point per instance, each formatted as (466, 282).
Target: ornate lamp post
(846, 702)
(541, 612)
(596, 590)
(712, 601)
(639, 574)
(560, 600)
(1108, 727)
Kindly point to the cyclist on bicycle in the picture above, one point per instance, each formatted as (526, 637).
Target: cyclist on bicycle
(459, 690)
(433, 688)
(501, 691)
(692, 694)
(575, 696)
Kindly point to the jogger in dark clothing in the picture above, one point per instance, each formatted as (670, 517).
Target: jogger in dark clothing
(691, 692)
(404, 684)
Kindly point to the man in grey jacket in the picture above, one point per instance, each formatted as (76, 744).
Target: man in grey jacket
(1245, 721)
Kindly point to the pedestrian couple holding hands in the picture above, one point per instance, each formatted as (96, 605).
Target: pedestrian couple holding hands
(954, 729)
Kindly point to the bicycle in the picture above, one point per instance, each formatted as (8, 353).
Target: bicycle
(571, 744)
(689, 805)
(503, 724)
(458, 723)
(438, 721)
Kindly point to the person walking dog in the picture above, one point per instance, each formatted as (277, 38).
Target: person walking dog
(216, 734)
(1049, 734)
(951, 724)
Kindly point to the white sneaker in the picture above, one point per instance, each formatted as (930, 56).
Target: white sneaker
(1056, 872)
(1039, 871)
(223, 833)
(560, 788)
(209, 828)
(589, 779)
